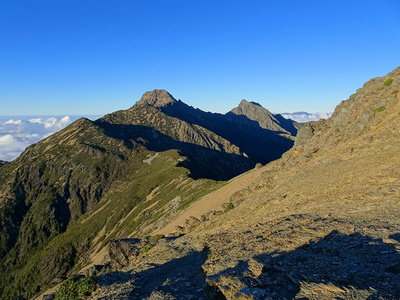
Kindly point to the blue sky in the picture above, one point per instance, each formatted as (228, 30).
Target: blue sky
(95, 57)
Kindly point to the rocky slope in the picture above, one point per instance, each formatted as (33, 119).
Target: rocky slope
(322, 222)
(123, 175)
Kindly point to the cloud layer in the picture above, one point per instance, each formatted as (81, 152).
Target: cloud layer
(17, 134)
(306, 117)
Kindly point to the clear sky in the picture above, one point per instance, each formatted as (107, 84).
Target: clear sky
(95, 57)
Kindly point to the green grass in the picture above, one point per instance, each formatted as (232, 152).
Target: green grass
(228, 207)
(381, 88)
(155, 238)
(379, 109)
(146, 249)
(388, 82)
(395, 92)
(76, 289)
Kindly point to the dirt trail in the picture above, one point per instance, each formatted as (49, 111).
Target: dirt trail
(213, 201)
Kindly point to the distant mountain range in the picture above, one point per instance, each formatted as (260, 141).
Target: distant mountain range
(18, 132)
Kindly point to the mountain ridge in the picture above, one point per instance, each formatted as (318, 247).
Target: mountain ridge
(124, 174)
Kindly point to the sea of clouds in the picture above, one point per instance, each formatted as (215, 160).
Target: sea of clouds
(302, 116)
(17, 133)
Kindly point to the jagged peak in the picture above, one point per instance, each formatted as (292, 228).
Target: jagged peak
(157, 98)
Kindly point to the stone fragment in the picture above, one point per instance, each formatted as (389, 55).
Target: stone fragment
(255, 267)
(122, 251)
(93, 270)
(46, 297)
(191, 223)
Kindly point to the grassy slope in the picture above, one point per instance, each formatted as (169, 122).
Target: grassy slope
(61, 181)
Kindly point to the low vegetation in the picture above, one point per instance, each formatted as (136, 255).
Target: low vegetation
(228, 207)
(379, 109)
(154, 238)
(388, 82)
(152, 241)
(146, 249)
(76, 289)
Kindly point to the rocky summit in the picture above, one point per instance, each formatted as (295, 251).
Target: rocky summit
(131, 206)
(157, 98)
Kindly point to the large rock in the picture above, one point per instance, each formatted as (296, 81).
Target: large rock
(122, 252)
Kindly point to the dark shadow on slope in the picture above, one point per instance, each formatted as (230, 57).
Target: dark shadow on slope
(181, 278)
(288, 124)
(202, 162)
(263, 145)
(345, 261)
(395, 237)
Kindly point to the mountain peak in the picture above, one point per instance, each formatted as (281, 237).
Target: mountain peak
(250, 108)
(157, 98)
(245, 103)
(267, 120)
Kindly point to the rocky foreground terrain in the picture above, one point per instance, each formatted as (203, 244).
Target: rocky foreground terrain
(322, 222)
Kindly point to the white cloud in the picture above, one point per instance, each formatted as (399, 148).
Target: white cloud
(11, 121)
(306, 117)
(11, 146)
(16, 135)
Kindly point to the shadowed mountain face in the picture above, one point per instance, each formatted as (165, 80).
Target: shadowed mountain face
(124, 174)
(258, 133)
